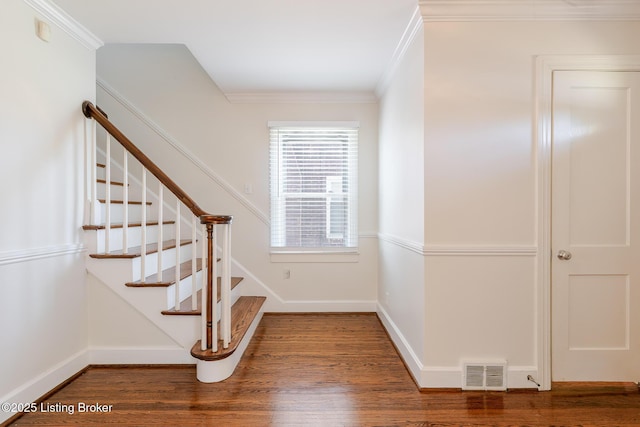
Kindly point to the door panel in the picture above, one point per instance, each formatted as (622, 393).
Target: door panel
(595, 183)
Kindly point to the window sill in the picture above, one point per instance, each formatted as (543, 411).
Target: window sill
(314, 257)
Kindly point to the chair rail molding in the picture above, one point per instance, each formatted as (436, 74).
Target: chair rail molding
(460, 250)
(403, 243)
(24, 255)
(526, 251)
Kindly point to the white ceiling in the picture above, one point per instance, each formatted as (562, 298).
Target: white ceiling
(263, 46)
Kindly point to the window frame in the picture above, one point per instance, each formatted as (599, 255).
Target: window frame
(277, 213)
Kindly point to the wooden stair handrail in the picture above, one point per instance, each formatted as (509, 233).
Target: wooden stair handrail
(92, 112)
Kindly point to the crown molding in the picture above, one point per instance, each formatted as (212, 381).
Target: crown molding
(529, 10)
(65, 22)
(410, 33)
(302, 98)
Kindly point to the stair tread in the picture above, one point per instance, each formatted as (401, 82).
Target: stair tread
(243, 312)
(186, 308)
(104, 181)
(136, 251)
(120, 225)
(167, 277)
(121, 202)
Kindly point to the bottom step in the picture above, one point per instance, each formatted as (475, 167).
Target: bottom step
(246, 314)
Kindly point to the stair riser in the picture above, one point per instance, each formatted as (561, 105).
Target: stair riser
(96, 238)
(236, 293)
(117, 191)
(135, 215)
(116, 172)
(185, 292)
(130, 268)
(151, 262)
(117, 213)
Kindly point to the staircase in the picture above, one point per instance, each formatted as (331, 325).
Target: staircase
(161, 258)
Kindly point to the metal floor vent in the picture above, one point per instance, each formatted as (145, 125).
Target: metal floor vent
(484, 376)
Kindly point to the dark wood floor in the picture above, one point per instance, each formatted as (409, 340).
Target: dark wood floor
(323, 370)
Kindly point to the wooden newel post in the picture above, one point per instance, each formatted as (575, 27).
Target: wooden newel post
(210, 262)
(209, 305)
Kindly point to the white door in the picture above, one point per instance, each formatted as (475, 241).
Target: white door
(595, 226)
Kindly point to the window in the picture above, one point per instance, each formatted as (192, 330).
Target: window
(314, 187)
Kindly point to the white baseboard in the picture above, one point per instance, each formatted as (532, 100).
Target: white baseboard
(140, 356)
(252, 285)
(451, 377)
(329, 306)
(45, 382)
(445, 376)
(517, 377)
(411, 360)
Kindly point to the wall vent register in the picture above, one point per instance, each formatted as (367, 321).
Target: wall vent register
(484, 376)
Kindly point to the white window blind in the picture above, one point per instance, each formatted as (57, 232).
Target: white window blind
(314, 187)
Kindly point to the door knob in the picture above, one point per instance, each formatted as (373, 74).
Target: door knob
(564, 255)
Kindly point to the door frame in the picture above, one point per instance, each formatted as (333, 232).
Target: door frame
(545, 65)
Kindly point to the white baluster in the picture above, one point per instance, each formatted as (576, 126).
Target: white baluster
(125, 204)
(194, 267)
(177, 288)
(92, 174)
(213, 299)
(107, 224)
(225, 323)
(203, 314)
(143, 231)
(160, 231)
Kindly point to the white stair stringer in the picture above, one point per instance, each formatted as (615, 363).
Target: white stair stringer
(149, 301)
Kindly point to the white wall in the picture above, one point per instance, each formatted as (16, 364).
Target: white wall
(401, 167)
(480, 185)
(462, 283)
(230, 142)
(44, 334)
